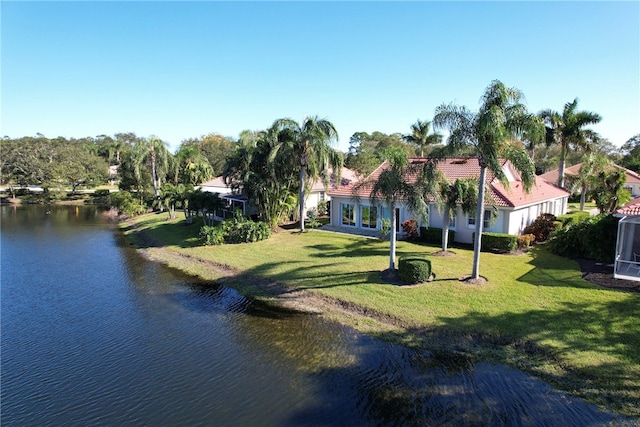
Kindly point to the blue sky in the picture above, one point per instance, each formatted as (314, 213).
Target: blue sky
(184, 69)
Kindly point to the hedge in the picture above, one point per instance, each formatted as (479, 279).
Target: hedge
(497, 242)
(413, 270)
(434, 235)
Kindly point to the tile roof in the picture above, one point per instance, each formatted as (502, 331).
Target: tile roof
(454, 168)
(631, 208)
(552, 176)
(215, 182)
(347, 176)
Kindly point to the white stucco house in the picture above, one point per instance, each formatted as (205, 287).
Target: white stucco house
(232, 200)
(516, 208)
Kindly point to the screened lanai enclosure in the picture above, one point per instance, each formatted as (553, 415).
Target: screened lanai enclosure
(627, 265)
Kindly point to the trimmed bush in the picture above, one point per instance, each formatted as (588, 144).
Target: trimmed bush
(497, 242)
(434, 235)
(413, 270)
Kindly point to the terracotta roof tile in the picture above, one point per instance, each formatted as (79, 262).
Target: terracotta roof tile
(454, 168)
(631, 208)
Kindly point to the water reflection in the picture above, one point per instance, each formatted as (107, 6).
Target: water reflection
(92, 334)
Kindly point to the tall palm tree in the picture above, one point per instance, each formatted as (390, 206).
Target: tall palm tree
(155, 151)
(393, 185)
(568, 131)
(488, 132)
(310, 143)
(592, 165)
(420, 136)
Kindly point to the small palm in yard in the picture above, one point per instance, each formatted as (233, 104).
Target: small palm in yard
(462, 193)
(393, 185)
(489, 132)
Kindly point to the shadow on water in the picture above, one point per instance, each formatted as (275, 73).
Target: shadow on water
(363, 380)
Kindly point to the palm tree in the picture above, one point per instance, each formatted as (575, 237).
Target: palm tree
(310, 143)
(592, 165)
(420, 137)
(192, 166)
(155, 151)
(567, 130)
(488, 132)
(393, 185)
(462, 193)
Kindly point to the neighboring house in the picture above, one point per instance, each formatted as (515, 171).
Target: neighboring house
(235, 200)
(215, 185)
(632, 183)
(627, 259)
(516, 209)
(318, 192)
(232, 201)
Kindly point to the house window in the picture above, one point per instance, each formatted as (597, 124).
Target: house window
(452, 221)
(368, 217)
(486, 223)
(348, 214)
(322, 195)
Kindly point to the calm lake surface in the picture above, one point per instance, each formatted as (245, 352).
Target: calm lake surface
(93, 334)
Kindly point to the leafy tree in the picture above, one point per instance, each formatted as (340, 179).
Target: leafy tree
(392, 186)
(568, 131)
(75, 166)
(500, 118)
(310, 143)
(631, 153)
(366, 151)
(421, 138)
(214, 147)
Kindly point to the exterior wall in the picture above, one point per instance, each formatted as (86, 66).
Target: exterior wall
(313, 198)
(358, 222)
(508, 220)
(633, 188)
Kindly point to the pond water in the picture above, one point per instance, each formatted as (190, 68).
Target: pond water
(93, 334)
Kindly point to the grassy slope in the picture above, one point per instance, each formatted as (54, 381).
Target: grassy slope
(536, 312)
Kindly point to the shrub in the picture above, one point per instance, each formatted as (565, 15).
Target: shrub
(541, 227)
(434, 235)
(385, 227)
(525, 241)
(572, 218)
(414, 270)
(497, 242)
(210, 235)
(313, 222)
(410, 227)
(126, 203)
(322, 208)
(593, 238)
(101, 193)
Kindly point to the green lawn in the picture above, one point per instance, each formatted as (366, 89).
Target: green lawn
(535, 312)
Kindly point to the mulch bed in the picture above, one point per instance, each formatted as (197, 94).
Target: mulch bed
(602, 275)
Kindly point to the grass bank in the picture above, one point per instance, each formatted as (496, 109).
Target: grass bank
(535, 313)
